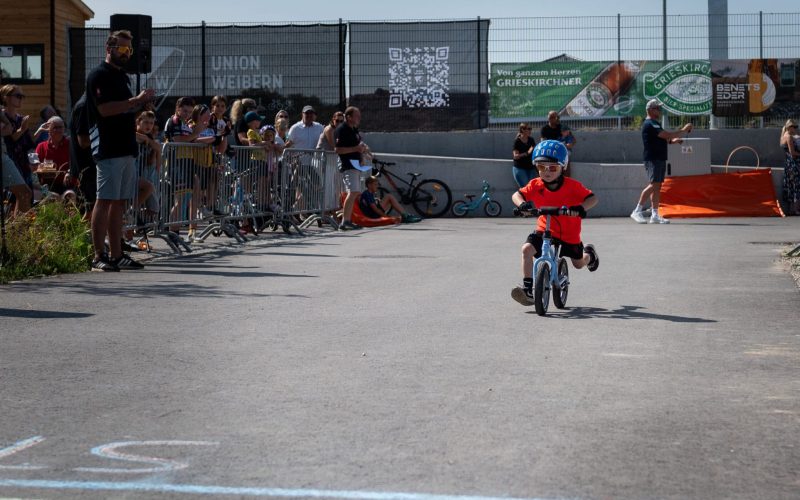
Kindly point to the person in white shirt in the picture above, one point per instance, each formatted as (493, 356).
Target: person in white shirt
(305, 133)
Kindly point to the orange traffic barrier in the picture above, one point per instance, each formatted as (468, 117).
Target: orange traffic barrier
(749, 194)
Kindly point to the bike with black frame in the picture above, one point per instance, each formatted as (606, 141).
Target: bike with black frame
(429, 197)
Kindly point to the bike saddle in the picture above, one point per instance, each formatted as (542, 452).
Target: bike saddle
(470, 197)
(413, 175)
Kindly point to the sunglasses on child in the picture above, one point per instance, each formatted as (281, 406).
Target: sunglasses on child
(550, 167)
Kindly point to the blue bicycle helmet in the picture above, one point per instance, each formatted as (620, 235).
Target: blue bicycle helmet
(551, 151)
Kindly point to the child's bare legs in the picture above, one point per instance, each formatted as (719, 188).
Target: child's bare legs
(528, 251)
(389, 200)
(581, 263)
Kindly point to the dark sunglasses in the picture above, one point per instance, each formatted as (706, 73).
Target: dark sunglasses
(18, 96)
(527, 128)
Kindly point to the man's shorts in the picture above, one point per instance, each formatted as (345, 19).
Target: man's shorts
(116, 178)
(656, 170)
(352, 181)
(571, 250)
(11, 175)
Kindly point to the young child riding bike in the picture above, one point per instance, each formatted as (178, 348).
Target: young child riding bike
(552, 189)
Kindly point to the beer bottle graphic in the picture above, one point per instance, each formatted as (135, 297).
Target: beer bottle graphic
(599, 95)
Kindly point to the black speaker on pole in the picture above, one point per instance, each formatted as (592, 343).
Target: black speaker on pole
(141, 27)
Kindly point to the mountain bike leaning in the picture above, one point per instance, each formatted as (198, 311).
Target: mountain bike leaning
(562, 203)
(429, 197)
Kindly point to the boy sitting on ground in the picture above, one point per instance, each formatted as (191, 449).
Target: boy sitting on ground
(375, 210)
(552, 189)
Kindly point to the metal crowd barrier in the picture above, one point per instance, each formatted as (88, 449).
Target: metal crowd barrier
(193, 188)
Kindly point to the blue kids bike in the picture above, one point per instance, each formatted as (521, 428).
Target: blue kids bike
(491, 209)
(550, 272)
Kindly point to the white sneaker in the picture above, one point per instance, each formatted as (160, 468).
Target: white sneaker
(657, 219)
(638, 217)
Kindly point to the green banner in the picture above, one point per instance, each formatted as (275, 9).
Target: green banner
(598, 89)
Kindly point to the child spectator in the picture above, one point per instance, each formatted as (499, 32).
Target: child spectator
(150, 167)
(374, 209)
(552, 189)
(219, 123)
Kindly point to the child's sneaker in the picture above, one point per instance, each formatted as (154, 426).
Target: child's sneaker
(638, 216)
(104, 265)
(657, 219)
(594, 259)
(522, 295)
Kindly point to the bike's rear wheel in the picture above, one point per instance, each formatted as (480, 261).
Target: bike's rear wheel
(431, 198)
(541, 289)
(382, 192)
(561, 290)
(460, 208)
(492, 208)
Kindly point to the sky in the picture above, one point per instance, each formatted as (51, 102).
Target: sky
(315, 10)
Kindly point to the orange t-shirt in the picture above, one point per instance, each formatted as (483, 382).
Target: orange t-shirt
(572, 192)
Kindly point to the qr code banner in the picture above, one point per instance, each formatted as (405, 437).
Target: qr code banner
(419, 77)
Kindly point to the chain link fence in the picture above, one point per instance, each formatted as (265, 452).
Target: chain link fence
(425, 75)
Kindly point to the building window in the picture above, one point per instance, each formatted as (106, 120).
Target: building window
(22, 63)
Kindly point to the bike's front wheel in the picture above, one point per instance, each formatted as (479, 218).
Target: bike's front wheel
(541, 289)
(460, 208)
(561, 290)
(492, 208)
(431, 198)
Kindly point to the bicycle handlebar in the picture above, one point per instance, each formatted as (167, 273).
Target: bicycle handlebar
(542, 211)
(383, 163)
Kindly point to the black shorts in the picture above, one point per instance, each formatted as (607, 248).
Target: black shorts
(571, 250)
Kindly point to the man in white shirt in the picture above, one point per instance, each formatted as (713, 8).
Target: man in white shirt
(305, 134)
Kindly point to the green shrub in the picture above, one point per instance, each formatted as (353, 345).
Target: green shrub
(50, 239)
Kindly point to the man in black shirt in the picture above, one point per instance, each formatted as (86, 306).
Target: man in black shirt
(349, 147)
(554, 130)
(111, 105)
(655, 140)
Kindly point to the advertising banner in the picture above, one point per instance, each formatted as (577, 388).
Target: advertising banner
(421, 75)
(756, 87)
(276, 65)
(598, 89)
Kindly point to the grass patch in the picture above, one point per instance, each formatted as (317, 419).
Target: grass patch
(50, 239)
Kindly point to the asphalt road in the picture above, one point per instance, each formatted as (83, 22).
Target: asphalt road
(393, 363)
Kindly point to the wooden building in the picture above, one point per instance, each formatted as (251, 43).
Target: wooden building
(34, 49)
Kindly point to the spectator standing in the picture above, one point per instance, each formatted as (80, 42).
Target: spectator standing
(150, 167)
(12, 179)
(219, 123)
(282, 133)
(348, 144)
(791, 167)
(523, 149)
(42, 133)
(82, 166)
(111, 108)
(240, 108)
(56, 150)
(555, 130)
(20, 141)
(326, 140)
(655, 140)
(305, 133)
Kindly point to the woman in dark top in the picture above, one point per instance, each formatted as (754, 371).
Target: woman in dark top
(20, 142)
(523, 147)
